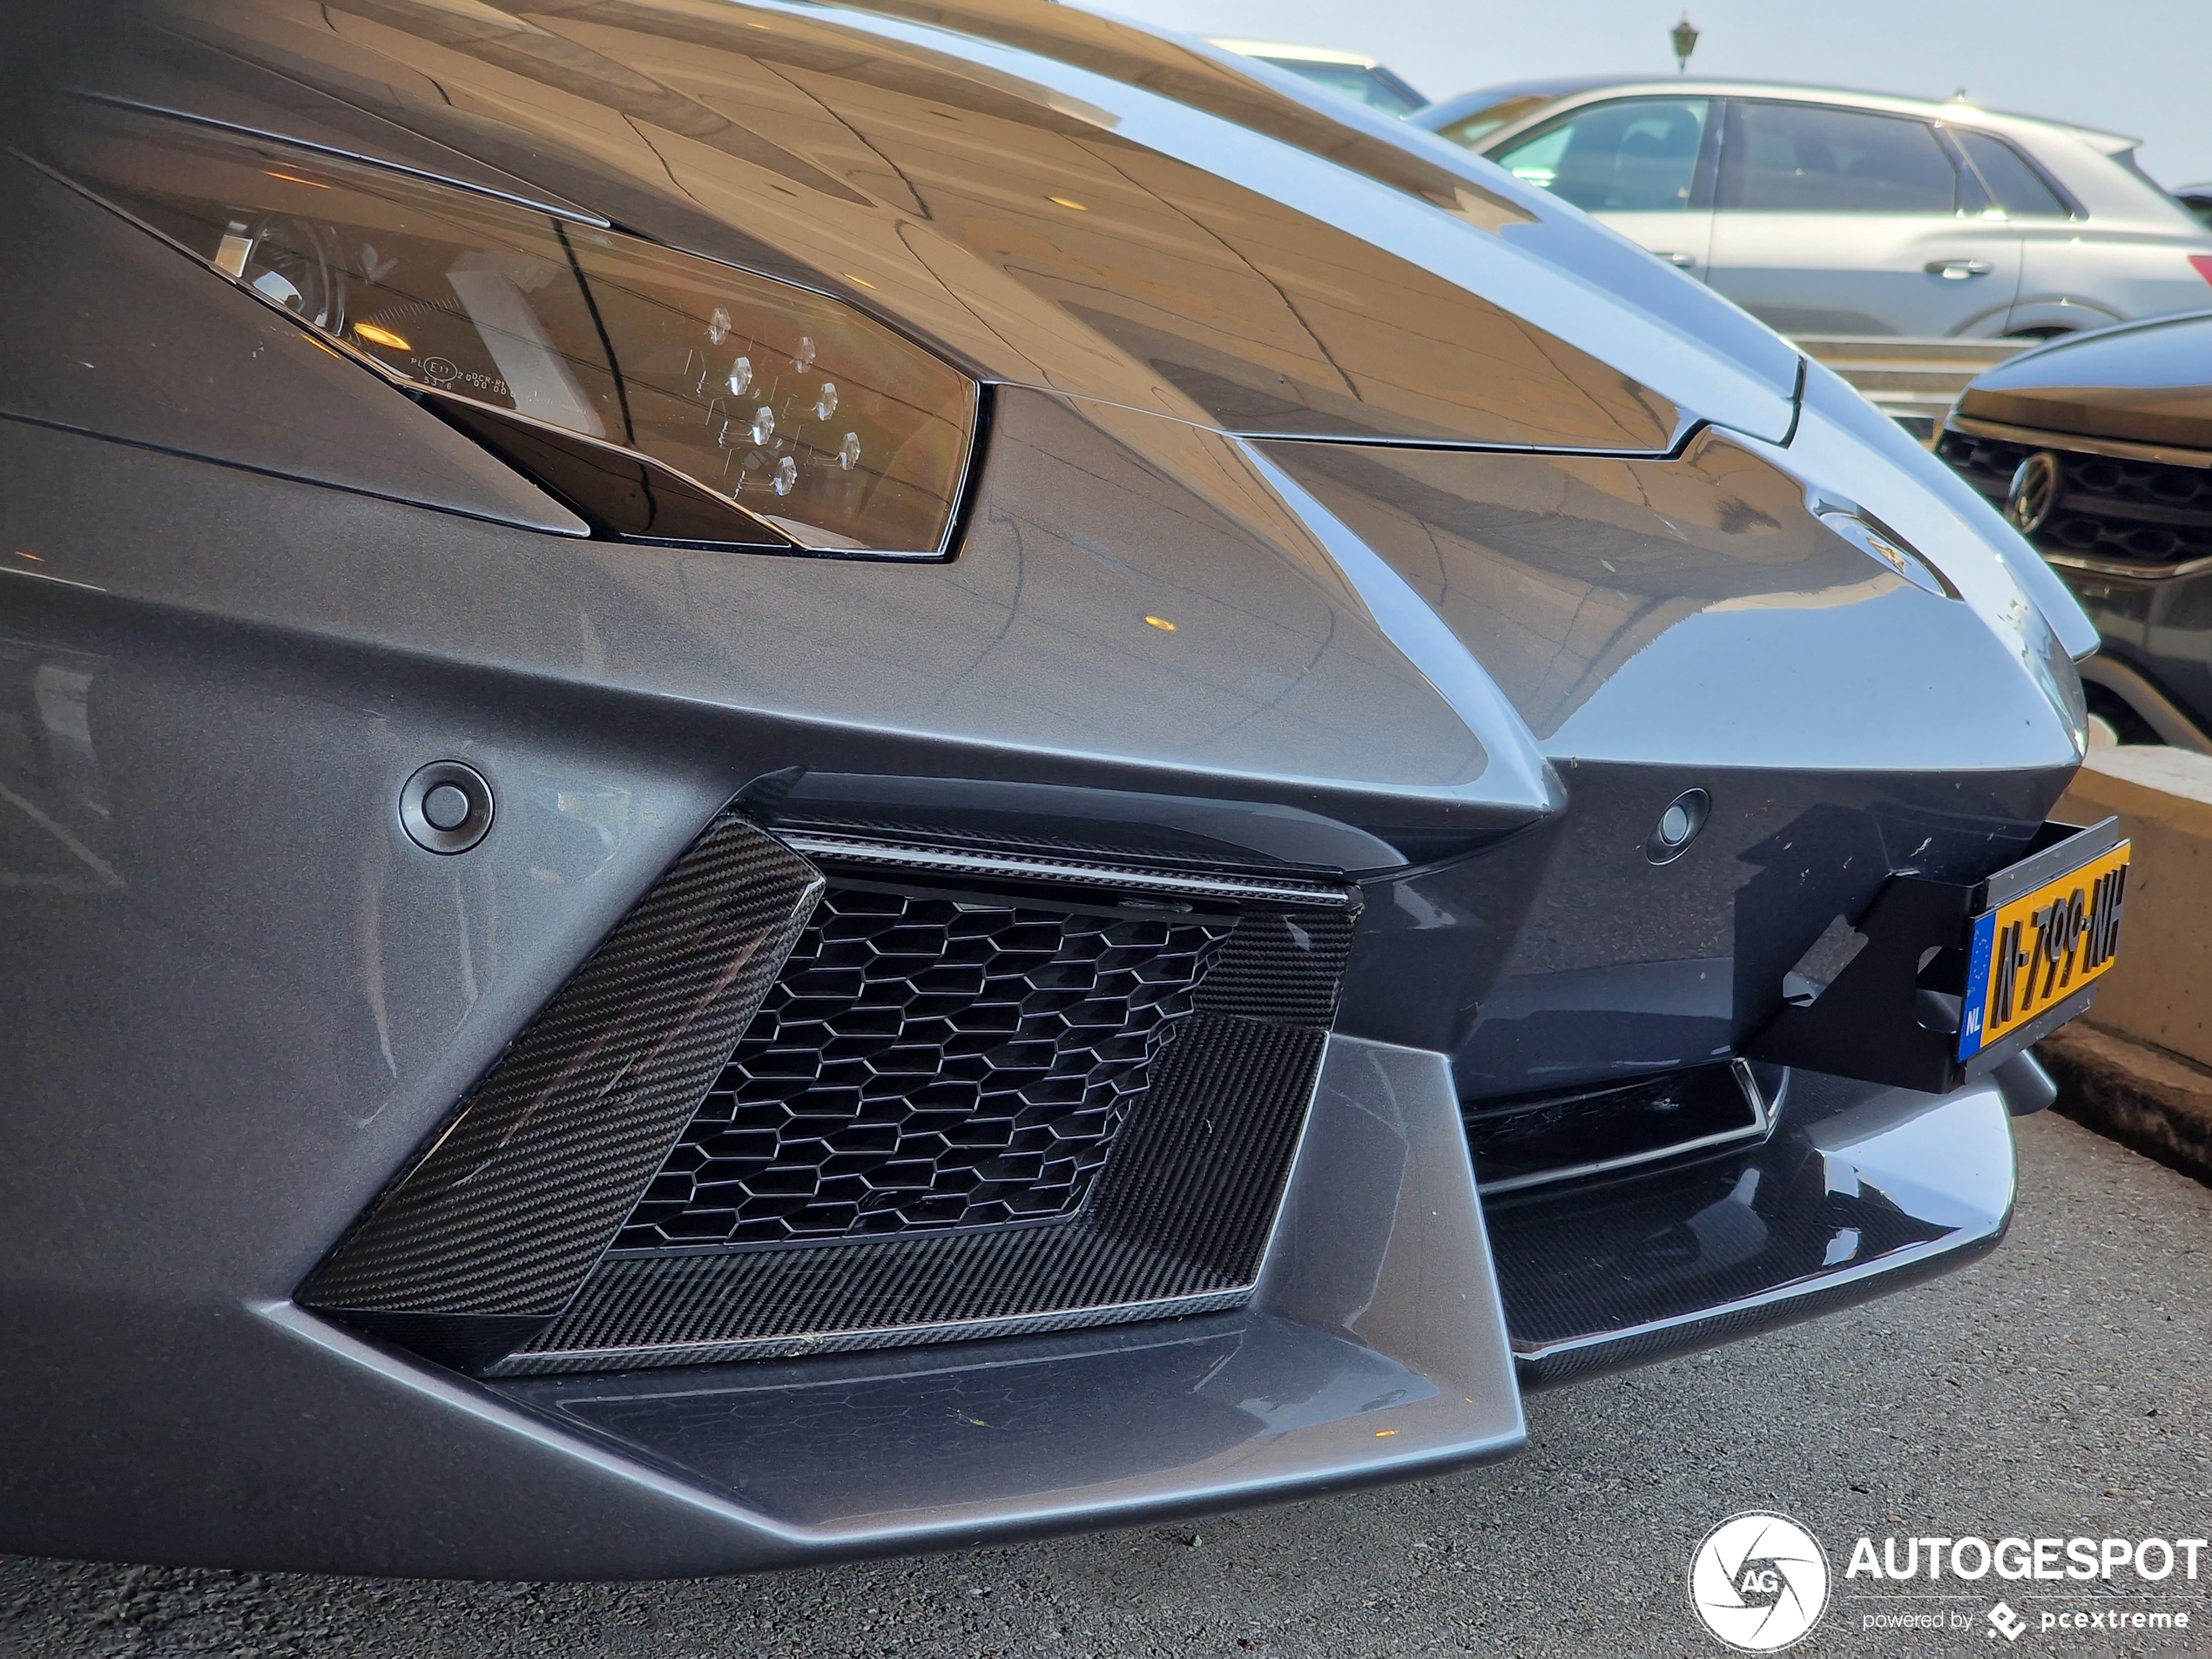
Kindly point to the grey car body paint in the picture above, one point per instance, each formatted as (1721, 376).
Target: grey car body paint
(247, 591)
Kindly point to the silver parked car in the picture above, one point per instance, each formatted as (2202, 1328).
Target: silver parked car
(1347, 74)
(1833, 213)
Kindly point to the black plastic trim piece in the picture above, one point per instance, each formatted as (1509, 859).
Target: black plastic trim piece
(2059, 848)
(1520, 1144)
(1872, 1023)
(1688, 434)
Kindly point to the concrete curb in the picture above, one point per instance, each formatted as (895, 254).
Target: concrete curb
(2158, 1102)
(2139, 1069)
(2160, 992)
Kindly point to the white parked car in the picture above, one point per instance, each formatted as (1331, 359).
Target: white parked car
(1832, 212)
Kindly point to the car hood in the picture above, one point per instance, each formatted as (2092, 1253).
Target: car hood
(2143, 383)
(1050, 197)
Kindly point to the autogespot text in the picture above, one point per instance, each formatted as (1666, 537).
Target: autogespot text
(1969, 1559)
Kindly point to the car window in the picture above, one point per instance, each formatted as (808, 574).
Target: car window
(1812, 159)
(1632, 156)
(1354, 81)
(1471, 129)
(2014, 185)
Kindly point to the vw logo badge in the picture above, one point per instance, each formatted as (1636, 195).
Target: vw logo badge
(1759, 1582)
(2034, 493)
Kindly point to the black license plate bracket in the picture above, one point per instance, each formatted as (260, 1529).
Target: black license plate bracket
(1893, 1014)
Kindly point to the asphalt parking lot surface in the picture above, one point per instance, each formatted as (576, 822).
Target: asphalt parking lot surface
(2059, 1387)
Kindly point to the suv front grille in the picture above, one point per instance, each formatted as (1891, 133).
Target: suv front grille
(2120, 511)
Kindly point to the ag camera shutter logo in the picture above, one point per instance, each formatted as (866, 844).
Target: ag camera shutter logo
(1759, 1582)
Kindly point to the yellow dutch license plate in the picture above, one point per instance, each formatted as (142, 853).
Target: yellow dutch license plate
(2027, 957)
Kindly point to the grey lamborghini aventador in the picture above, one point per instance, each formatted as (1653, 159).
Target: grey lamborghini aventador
(787, 779)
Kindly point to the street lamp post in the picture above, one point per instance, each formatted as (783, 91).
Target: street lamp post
(1684, 35)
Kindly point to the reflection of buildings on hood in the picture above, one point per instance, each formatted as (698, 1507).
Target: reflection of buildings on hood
(1556, 570)
(1125, 253)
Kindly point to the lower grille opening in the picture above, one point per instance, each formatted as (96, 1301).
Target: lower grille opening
(928, 1063)
(1523, 1144)
(973, 1112)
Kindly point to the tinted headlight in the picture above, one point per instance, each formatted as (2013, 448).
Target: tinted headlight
(653, 390)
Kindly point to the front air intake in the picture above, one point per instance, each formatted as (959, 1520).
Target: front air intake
(983, 1092)
(925, 1064)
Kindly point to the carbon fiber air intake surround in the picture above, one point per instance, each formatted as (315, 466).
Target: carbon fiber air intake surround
(492, 1229)
(938, 1094)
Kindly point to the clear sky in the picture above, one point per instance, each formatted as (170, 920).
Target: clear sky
(2142, 67)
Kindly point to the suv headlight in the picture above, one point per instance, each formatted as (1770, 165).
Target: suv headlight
(666, 397)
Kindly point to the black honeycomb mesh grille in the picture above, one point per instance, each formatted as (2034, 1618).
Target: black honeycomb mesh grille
(925, 1062)
(1173, 1215)
(1179, 1222)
